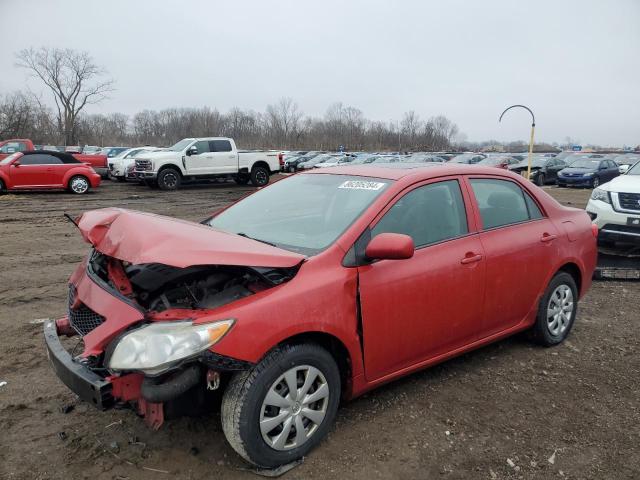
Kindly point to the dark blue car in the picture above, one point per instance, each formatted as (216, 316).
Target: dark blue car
(588, 172)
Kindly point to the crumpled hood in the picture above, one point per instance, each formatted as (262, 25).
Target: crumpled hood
(140, 238)
(580, 170)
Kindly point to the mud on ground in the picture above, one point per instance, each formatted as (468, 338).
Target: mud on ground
(510, 410)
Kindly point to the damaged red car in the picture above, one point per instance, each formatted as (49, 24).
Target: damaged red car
(317, 288)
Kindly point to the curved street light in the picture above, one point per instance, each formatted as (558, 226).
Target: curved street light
(533, 127)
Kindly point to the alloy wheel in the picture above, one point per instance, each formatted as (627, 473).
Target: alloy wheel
(560, 310)
(294, 407)
(79, 185)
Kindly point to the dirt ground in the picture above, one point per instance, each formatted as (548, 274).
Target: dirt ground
(510, 410)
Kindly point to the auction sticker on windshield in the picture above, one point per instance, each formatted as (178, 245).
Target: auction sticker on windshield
(362, 185)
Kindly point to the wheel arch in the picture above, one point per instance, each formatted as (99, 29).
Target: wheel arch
(335, 347)
(574, 270)
(74, 172)
(173, 167)
(263, 164)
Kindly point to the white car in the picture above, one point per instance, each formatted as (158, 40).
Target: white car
(615, 208)
(118, 165)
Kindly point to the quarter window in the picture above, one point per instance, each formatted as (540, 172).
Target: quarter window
(502, 202)
(428, 214)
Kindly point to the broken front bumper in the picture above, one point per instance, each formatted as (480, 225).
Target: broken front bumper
(88, 385)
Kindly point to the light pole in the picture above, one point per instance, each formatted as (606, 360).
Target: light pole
(533, 127)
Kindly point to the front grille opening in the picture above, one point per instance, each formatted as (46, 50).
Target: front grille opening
(82, 319)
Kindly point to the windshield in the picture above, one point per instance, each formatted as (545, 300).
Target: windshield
(635, 170)
(181, 145)
(303, 213)
(586, 163)
(9, 158)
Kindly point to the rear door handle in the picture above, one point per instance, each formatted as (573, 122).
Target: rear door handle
(471, 258)
(546, 237)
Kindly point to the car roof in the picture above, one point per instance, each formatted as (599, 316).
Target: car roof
(398, 170)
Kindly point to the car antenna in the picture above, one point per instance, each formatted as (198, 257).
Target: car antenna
(71, 219)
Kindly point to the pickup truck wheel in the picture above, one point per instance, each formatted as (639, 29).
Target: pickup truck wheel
(283, 407)
(78, 184)
(242, 178)
(169, 179)
(259, 176)
(120, 179)
(556, 311)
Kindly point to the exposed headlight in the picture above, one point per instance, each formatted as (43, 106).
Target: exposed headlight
(155, 347)
(588, 174)
(602, 195)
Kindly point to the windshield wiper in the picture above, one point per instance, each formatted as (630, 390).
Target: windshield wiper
(242, 234)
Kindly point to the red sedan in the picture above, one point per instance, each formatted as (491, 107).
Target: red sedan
(319, 287)
(40, 169)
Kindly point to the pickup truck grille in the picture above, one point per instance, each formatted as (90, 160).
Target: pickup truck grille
(143, 164)
(82, 319)
(629, 201)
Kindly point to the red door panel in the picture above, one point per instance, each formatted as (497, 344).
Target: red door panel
(518, 261)
(29, 175)
(418, 308)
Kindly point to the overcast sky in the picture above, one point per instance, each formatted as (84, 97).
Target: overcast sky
(576, 63)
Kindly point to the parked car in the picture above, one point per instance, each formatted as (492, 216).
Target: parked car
(544, 170)
(111, 152)
(44, 170)
(311, 163)
(588, 172)
(615, 208)
(625, 162)
(87, 150)
(291, 165)
(499, 161)
(195, 159)
(289, 310)
(119, 165)
(425, 158)
(338, 160)
(468, 158)
(98, 162)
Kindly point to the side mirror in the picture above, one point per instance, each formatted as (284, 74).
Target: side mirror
(193, 150)
(390, 246)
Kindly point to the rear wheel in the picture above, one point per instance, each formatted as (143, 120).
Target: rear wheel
(259, 176)
(283, 407)
(79, 185)
(169, 179)
(556, 311)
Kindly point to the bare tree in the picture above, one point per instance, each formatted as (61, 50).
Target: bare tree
(284, 119)
(73, 78)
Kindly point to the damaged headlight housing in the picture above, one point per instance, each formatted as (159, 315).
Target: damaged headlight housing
(153, 348)
(602, 195)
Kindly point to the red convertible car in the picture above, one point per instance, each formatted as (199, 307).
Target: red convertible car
(317, 288)
(41, 169)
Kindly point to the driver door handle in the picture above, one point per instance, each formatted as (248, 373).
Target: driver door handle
(471, 258)
(546, 237)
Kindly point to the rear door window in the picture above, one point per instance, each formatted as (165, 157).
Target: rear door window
(220, 145)
(502, 202)
(428, 214)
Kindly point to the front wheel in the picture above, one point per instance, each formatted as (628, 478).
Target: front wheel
(540, 179)
(283, 407)
(259, 176)
(556, 311)
(595, 183)
(79, 185)
(169, 179)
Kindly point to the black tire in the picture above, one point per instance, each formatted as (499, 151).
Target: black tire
(259, 176)
(541, 331)
(78, 184)
(169, 179)
(540, 179)
(595, 183)
(242, 403)
(242, 178)
(2, 187)
(121, 179)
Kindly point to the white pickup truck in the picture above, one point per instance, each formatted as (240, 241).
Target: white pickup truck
(206, 158)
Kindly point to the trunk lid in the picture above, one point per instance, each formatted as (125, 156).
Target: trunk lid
(140, 238)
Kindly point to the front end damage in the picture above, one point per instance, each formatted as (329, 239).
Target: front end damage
(146, 331)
